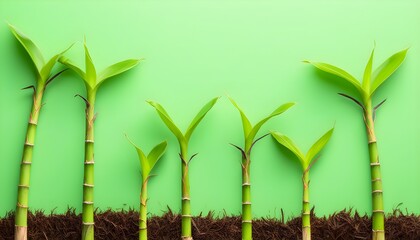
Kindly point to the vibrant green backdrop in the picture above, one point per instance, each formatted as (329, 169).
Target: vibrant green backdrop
(195, 50)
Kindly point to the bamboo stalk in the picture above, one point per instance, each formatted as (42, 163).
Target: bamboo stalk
(186, 217)
(378, 216)
(21, 222)
(246, 195)
(143, 212)
(88, 179)
(306, 209)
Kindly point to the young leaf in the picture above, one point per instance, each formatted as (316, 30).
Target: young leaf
(167, 120)
(319, 145)
(68, 63)
(368, 72)
(338, 72)
(276, 112)
(46, 69)
(156, 153)
(90, 69)
(116, 69)
(30, 47)
(387, 68)
(199, 117)
(288, 143)
(245, 122)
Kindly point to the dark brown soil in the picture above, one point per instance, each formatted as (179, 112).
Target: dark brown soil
(124, 225)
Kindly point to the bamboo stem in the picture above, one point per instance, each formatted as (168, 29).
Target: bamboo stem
(378, 216)
(21, 221)
(88, 179)
(246, 195)
(306, 209)
(186, 233)
(143, 212)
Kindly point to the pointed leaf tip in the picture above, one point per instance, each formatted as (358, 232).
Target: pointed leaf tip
(319, 145)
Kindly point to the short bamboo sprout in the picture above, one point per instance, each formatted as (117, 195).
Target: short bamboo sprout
(370, 83)
(183, 140)
(92, 82)
(249, 135)
(44, 77)
(147, 163)
(306, 161)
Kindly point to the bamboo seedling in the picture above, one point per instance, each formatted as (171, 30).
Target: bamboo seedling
(250, 133)
(366, 88)
(92, 82)
(44, 77)
(183, 140)
(147, 162)
(306, 161)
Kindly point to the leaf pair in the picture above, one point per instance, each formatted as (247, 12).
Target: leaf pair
(93, 80)
(305, 160)
(147, 162)
(43, 68)
(371, 80)
(183, 138)
(249, 131)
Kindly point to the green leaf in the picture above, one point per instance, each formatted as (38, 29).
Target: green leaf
(144, 164)
(257, 127)
(116, 69)
(319, 145)
(368, 73)
(68, 63)
(245, 122)
(46, 70)
(90, 69)
(200, 115)
(167, 120)
(339, 73)
(156, 153)
(387, 68)
(30, 47)
(288, 143)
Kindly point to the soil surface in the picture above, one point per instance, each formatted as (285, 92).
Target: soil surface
(111, 225)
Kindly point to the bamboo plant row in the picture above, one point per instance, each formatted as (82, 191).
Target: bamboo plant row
(366, 88)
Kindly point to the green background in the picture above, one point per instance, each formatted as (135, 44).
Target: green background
(196, 50)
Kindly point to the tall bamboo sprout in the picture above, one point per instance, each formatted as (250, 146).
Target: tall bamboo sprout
(44, 77)
(92, 82)
(370, 83)
(147, 162)
(249, 135)
(183, 140)
(306, 161)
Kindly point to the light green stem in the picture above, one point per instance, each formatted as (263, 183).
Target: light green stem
(186, 233)
(246, 194)
(306, 209)
(143, 212)
(88, 181)
(378, 216)
(21, 216)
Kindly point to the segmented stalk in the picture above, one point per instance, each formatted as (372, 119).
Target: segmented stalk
(186, 216)
(143, 212)
(21, 223)
(246, 197)
(88, 179)
(378, 216)
(306, 209)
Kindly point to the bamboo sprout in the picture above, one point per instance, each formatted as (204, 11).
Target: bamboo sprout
(147, 162)
(249, 135)
(306, 162)
(183, 140)
(44, 77)
(370, 83)
(92, 82)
